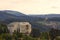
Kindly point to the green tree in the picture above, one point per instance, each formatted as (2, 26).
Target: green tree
(3, 28)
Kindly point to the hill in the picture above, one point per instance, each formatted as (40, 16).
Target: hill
(8, 16)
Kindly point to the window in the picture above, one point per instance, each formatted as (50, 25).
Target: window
(11, 25)
(27, 26)
(18, 30)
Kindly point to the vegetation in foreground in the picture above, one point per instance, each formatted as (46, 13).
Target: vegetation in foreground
(5, 35)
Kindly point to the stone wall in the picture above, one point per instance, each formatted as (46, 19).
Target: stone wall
(22, 27)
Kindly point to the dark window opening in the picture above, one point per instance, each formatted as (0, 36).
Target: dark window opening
(27, 26)
(11, 25)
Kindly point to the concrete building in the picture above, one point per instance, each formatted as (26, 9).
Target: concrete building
(22, 27)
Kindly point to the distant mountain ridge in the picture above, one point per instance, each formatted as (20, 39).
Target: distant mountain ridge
(8, 16)
(47, 15)
(14, 12)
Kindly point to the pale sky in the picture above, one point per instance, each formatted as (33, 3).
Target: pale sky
(31, 6)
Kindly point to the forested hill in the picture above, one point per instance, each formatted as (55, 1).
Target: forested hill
(8, 16)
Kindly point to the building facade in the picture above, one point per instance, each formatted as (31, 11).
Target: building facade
(21, 27)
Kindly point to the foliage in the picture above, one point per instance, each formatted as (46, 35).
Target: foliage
(35, 35)
(3, 28)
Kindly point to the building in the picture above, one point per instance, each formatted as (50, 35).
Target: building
(22, 27)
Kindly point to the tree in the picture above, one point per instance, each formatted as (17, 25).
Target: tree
(35, 32)
(3, 28)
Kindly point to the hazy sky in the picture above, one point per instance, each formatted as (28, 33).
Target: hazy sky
(31, 6)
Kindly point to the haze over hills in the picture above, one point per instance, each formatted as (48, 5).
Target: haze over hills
(14, 13)
(21, 14)
(7, 16)
(46, 15)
